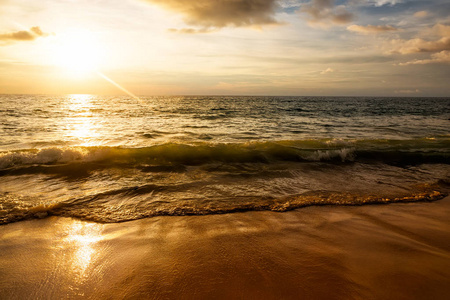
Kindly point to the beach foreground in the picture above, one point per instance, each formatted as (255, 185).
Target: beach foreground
(395, 251)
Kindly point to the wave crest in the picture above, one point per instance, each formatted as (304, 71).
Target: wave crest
(394, 151)
(94, 208)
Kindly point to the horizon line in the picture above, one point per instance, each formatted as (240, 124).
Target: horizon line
(228, 95)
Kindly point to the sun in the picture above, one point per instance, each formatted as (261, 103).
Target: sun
(78, 52)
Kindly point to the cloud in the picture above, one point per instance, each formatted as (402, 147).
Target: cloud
(23, 35)
(416, 91)
(371, 29)
(329, 70)
(417, 45)
(191, 30)
(376, 3)
(385, 2)
(222, 13)
(441, 30)
(438, 45)
(289, 3)
(441, 57)
(324, 13)
(421, 14)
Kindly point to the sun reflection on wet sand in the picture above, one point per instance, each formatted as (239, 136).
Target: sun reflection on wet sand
(83, 237)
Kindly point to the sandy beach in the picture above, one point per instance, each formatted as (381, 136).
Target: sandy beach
(396, 251)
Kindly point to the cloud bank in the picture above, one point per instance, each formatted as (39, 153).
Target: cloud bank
(223, 13)
(23, 35)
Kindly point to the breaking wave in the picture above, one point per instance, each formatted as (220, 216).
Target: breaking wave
(402, 152)
(117, 184)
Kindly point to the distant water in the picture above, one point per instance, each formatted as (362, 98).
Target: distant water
(113, 159)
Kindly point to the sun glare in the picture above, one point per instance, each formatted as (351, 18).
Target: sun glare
(78, 52)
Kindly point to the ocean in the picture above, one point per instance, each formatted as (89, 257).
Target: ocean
(116, 159)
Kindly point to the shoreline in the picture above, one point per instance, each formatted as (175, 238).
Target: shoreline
(395, 251)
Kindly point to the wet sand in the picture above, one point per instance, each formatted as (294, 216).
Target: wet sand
(396, 251)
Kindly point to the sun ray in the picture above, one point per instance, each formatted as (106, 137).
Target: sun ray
(118, 85)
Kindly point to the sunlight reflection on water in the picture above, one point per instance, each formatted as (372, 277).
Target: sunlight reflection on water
(80, 123)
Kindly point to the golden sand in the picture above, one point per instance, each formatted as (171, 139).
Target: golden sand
(396, 251)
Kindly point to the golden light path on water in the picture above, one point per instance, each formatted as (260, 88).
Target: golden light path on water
(80, 124)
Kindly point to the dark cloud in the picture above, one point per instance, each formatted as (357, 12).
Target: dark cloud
(223, 13)
(23, 35)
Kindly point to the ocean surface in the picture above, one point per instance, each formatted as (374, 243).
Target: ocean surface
(115, 159)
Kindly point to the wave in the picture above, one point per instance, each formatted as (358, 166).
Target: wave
(399, 152)
(103, 209)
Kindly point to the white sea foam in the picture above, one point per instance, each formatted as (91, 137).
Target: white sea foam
(345, 154)
(43, 156)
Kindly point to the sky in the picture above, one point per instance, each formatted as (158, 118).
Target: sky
(226, 47)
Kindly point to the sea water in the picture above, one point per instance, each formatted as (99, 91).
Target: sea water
(115, 159)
